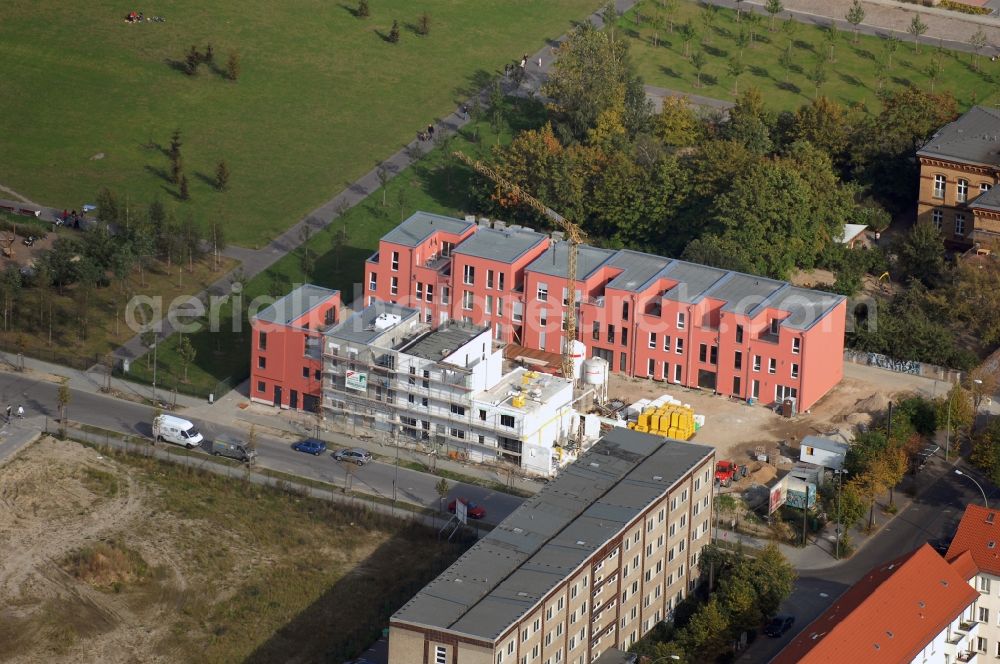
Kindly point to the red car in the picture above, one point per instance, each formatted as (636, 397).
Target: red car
(473, 510)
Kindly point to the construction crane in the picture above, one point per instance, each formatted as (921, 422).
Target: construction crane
(574, 235)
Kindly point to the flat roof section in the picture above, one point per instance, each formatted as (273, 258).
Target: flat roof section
(553, 261)
(973, 138)
(421, 225)
(637, 269)
(433, 345)
(537, 387)
(692, 280)
(296, 304)
(360, 328)
(804, 306)
(551, 534)
(504, 246)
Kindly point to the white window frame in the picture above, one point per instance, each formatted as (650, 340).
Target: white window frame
(680, 320)
(795, 370)
(796, 345)
(469, 275)
(542, 292)
(937, 218)
(468, 299)
(394, 286)
(373, 281)
(652, 340)
(962, 190)
(394, 264)
(772, 365)
(940, 185)
(756, 362)
(959, 224)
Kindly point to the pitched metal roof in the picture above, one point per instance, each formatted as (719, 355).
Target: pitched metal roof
(296, 304)
(549, 536)
(421, 225)
(888, 616)
(974, 138)
(825, 444)
(505, 246)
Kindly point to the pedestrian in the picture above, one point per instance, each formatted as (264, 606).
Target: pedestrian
(539, 63)
(524, 61)
(8, 412)
(20, 412)
(465, 111)
(430, 132)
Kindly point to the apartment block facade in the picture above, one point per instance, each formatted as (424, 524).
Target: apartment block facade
(959, 172)
(973, 552)
(648, 316)
(286, 363)
(592, 562)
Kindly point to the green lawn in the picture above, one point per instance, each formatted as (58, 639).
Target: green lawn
(435, 183)
(850, 77)
(322, 96)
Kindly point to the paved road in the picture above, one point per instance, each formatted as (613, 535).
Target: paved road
(932, 515)
(88, 407)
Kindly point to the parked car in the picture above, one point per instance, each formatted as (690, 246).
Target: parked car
(234, 449)
(473, 510)
(310, 446)
(779, 624)
(353, 455)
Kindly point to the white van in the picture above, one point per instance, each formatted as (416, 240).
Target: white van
(177, 431)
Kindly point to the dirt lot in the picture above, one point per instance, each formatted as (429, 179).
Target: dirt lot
(736, 429)
(133, 560)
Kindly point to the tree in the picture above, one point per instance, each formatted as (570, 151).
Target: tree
(383, 175)
(670, 8)
(978, 42)
(185, 193)
(982, 384)
(920, 254)
(221, 175)
(956, 411)
(790, 26)
(209, 55)
(786, 59)
(63, 397)
(707, 633)
(677, 124)
(442, 488)
(817, 76)
(424, 24)
(698, 62)
(191, 62)
(855, 15)
(609, 15)
(774, 7)
(186, 352)
(916, 28)
(823, 123)
(735, 69)
(363, 10)
(753, 21)
(218, 233)
(251, 444)
(709, 15)
(233, 66)
(498, 110)
(891, 45)
(934, 69)
(688, 34)
(831, 35)
(742, 41)
(148, 339)
(394, 33)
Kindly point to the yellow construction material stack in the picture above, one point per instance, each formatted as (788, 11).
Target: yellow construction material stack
(671, 421)
(518, 401)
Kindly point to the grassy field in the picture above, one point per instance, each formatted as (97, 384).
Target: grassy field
(850, 77)
(90, 101)
(184, 566)
(434, 184)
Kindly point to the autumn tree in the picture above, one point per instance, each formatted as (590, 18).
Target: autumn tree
(186, 352)
(855, 15)
(916, 28)
(978, 42)
(424, 24)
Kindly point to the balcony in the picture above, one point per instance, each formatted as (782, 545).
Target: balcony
(597, 301)
(966, 656)
(768, 337)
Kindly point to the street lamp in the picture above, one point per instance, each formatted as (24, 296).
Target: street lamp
(977, 399)
(840, 478)
(959, 472)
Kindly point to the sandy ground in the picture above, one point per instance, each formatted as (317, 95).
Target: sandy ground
(737, 430)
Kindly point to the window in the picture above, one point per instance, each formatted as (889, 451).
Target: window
(517, 313)
(796, 345)
(739, 334)
(679, 346)
(666, 343)
(983, 188)
(534, 628)
(262, 340)
(468, 275)
(624, 310)
(981, 644)
(543, 292)
(937, 216)
(624, 337)
(703, 352)
(457, 410)
(440, 655)
(305, 372)
(430, 292)
(795, 370)
(489, 278)
(680, 321)
(666, 371)
(984, 615)
(772, 366)
(507, 421)
(261, 362)
(623, 362)
(500, 281)
(939, 185)
(373, 281)
(756, 362)
(394, 286)
(395, 261)
(651, 368)
(611, 333)
(548, 613)
(510, 647)
(984, 584)
(488, 305)
(738, 360)
(467, 300)
(962, 191)
(677, 373)
(959, 224)
(261, 386)
(420, 290)
(652, 339)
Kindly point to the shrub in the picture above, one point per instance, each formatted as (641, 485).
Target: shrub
(964, 8)
(394, 33)
(424, 24)
(364, 11)
(233, 66)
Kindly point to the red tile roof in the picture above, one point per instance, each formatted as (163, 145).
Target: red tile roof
(979, 534)
(888, 616)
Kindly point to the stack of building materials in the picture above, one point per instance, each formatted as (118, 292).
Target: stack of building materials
(670, 420)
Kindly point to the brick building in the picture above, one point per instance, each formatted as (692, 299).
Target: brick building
(592, 562)
(959, 170)
(648, 316)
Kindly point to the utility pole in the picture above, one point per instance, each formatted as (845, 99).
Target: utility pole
(840, 480)
(155, 344)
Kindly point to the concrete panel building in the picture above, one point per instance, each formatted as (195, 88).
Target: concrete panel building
(591, 563)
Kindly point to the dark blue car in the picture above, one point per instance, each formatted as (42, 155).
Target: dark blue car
(310, 446)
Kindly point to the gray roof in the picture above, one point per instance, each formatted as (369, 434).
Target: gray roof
(421, 225)
(616, 656)
(744, 292)
(296, 304)
(359, 327)
(505, 246)
(825, 444)
(637, 269)
(693, 280)
(432, 345)
(553, 261)
(989, 200)
(804, 306)
(549, 536)
(973, 138)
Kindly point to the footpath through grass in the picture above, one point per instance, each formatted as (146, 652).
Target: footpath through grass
(783, 63)
(90, 101)
(334, 257)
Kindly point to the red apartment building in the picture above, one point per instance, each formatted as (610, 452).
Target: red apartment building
(286, 362)
(648, 316)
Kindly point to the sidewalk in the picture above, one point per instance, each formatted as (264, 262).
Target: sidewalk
(17, 435)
